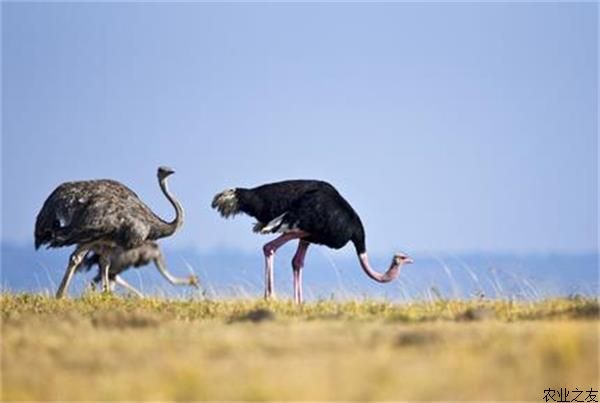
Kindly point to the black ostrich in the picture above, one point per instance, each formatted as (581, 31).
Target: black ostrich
(309, 210)
(100, 216)
(121, 260)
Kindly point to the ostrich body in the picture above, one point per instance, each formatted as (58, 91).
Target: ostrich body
(99, 216)
(308, 210)
(121, 260)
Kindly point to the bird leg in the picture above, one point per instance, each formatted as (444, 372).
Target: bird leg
(120, 281)
(92, 285)
(269, 250)
(105, 267)
(75, 260)
(98, 279)
(297, 264)
(159, 262)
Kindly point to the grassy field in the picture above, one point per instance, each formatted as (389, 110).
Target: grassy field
(109, 348)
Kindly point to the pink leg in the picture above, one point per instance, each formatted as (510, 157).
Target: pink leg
(297, 264)
(269, 250)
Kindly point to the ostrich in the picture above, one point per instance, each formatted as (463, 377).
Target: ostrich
(99, 216)
(308, 210)
(121, 260)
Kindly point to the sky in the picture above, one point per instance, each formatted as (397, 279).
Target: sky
(449, 127)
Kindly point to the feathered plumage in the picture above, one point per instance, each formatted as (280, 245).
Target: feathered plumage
(100, 215)
(86, 211)
(309, 210)
(121, 260)
(312, 206)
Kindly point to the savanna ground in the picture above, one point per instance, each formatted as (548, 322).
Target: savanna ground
(102, 347)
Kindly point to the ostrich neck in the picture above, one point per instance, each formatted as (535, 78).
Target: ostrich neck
(168, 228)
(386, 277)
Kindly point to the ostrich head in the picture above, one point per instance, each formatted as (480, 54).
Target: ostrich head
(402, 258)
(398, 261)
(164, 172)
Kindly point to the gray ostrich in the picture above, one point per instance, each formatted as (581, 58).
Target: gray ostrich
(99, 216)
(121, 260)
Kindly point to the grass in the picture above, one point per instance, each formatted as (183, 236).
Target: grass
(102, 347)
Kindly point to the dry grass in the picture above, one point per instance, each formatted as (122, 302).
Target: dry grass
(107, 348)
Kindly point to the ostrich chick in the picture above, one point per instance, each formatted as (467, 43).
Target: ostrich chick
(121, 260)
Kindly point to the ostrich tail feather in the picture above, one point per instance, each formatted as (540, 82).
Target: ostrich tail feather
(226, 203)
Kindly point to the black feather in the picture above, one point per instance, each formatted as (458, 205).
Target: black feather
(312, 206)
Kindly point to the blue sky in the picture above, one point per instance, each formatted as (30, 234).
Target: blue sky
(449, 127)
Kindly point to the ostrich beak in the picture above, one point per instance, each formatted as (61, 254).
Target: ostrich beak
(165, 171)
(401, 258)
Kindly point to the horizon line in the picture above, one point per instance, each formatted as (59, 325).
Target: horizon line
(428, 254)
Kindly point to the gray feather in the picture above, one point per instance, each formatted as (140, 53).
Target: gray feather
(96, 210)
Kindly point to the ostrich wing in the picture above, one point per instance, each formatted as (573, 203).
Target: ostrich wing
(323, 214)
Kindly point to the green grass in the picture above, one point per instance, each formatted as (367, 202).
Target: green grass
(108, 348)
